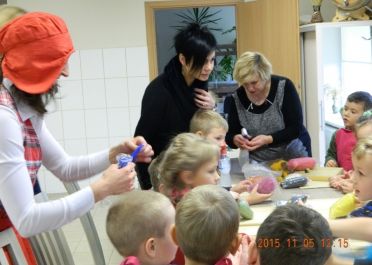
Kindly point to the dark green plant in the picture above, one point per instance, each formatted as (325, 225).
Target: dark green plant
(201, 16)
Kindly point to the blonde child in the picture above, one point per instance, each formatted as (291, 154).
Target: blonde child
(206, 230)
(359, 228)
(154, 171)
(212, 126)
(139, 226)
(343, 140)
(363, 129)
(189, 161)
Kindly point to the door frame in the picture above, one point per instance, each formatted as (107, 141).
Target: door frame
(151, 7)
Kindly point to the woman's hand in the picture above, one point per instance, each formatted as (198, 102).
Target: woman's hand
(255, 197)
(259, 141)
(241, 142)
(114, 181)
(203, 99)
(128, 146)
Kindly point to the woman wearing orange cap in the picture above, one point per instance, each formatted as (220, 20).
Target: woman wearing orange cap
(35, 49)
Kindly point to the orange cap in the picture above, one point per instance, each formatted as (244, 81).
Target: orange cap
(35, 47)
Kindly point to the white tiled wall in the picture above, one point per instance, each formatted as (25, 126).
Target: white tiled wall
(98, 104)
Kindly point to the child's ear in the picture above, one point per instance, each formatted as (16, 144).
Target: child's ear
(200, 133)
(161, 188)
(187, 177)
(150, 247)
(235, 244)
(174, 234)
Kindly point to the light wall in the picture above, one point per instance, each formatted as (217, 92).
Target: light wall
(97, 23)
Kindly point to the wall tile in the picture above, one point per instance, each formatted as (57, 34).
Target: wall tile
(74, 66)
(96, 123)
(94, 94)
(91, 64)
(137, 61)
(73, 124)
(71, 93)
(134, 116)
(97, 144)
(76, 147)
(136, 88)
(118, 122)
(114, 62)
(116, 92)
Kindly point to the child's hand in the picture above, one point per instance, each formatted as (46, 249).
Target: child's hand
(254, 197)
(346, 185)
(241, 255)
(334, 181)
(331, 163)
(242, 186)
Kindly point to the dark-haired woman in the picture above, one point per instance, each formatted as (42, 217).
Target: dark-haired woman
(172, 98)
(36, 48)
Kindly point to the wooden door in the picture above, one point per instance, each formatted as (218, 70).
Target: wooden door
(272, 28)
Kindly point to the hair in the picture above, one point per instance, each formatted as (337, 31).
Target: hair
(250, 64)
(186, 152)
(137, 216)
(8, 13)
(206, 120)
(363, 148)
(195, 43)
(361, 97)
(154, 171)
(301, 233)
(207, 221)
(38, 102)
(365, 119)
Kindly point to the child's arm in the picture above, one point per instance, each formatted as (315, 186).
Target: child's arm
(357, 228)
(331, 156)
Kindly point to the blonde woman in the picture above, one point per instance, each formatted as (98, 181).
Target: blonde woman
(269, 108)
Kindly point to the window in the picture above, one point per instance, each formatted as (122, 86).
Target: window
(355, 67)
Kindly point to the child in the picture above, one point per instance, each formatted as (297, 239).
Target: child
(363, 129)
(343, 140)
(292, 234)
(212, 126)
(189, 161)
(207, 223)
(139, 227)
(359, 228)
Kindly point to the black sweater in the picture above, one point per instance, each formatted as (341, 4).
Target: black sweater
(291, 110)
(167, 108)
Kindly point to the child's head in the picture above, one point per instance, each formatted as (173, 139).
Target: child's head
(364, 126)
(356, 104)
(140, 224)
(188, 162)
(210, 125)
(207, 223)
(154, 171)
(362, 174)
(293, 234)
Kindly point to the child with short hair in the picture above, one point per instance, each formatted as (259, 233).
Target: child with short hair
(363, 129)
(139, 226)
(292, 234)
(212, 126)
(207, 223)
(343, 140)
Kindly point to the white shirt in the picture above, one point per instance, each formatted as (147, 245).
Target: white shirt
(16, 190)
